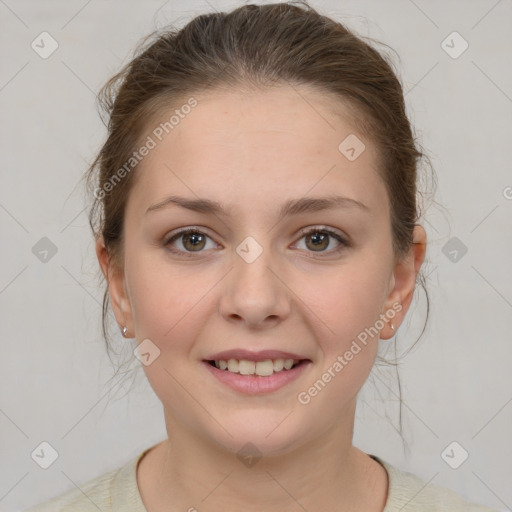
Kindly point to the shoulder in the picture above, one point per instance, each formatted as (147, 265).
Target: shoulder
(92, 495)
(115, 490)
(408, 493)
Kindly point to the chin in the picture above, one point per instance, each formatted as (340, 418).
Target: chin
(266, 437)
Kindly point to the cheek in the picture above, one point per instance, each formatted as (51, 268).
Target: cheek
(348, 300)
(166, 302)
(167, 310)
(345, 319)
(346, 307)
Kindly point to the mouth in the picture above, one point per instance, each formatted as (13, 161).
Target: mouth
(256, 377)
(263, 368)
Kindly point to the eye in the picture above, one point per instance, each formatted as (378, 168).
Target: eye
(319, 238)
(192, 240)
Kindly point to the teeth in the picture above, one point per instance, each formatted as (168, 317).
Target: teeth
(278, 365)
(233, 365)
(260, 368)
(246, 367)
(288, 363)
(264, 368)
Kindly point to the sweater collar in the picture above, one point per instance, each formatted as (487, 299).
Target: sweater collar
(126, 496)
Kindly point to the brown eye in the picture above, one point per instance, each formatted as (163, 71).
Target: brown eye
(192, 240)
(318, 240)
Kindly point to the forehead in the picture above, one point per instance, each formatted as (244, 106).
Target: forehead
(239, 146)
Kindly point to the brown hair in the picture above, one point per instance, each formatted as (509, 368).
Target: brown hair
(256, 46)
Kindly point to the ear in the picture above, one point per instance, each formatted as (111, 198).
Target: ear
(116, 288)
(404, 282)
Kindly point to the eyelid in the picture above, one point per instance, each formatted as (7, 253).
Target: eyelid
(320, 227)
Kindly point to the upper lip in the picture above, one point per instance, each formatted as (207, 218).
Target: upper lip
(248, 355)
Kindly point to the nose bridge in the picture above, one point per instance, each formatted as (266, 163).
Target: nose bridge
(254, 292)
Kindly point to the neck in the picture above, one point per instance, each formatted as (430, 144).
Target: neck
(188, 472)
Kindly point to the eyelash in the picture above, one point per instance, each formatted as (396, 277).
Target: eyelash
(316, 229)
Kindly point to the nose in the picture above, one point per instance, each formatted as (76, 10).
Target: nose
(254, 292)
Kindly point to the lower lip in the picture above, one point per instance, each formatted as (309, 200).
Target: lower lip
(254, 384)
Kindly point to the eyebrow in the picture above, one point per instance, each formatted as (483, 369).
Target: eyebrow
(291, 207)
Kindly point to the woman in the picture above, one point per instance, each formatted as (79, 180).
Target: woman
(258, 233)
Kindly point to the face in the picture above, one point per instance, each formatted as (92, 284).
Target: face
(307, 283)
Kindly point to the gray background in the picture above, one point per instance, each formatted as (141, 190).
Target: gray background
(54, 371)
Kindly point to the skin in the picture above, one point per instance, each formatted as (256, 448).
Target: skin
(252, 152)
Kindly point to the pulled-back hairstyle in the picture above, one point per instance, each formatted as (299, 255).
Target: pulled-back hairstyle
(255, 47)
